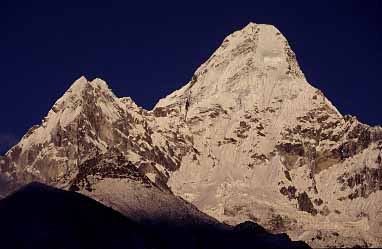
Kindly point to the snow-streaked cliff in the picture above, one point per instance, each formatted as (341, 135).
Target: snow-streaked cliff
(248, 138)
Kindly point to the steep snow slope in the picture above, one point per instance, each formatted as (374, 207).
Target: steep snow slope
(273, 149)
(247, 138)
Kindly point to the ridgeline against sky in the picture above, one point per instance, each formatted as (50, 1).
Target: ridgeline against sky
(247, 138)
(148, 50)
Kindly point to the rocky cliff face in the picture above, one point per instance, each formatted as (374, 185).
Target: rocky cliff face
(104, 146)
(248, 138)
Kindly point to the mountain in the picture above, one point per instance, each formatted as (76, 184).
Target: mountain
(95, 143)
(39, 216)
(272, 146)
(247, 138)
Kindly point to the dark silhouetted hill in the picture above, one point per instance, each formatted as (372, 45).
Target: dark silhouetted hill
(39, 216)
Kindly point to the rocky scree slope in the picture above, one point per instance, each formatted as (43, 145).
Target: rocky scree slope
(248, 138)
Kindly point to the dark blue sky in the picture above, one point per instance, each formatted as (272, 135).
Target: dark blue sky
(148, 49)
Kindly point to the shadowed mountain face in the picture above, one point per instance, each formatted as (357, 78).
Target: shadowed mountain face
(38, 216)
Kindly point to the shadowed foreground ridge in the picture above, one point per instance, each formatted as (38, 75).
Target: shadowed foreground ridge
(39, 216)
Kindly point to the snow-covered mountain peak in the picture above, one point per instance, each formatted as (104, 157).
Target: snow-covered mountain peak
(254, 68)
(266, 31)
(84, 100)
(78, 84)
(82, 84)
(76, 93)
(247, 138)
(101, 85)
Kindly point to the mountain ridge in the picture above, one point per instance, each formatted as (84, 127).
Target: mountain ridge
(247, 138)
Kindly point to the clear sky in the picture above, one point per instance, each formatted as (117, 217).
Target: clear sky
(148, 49)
